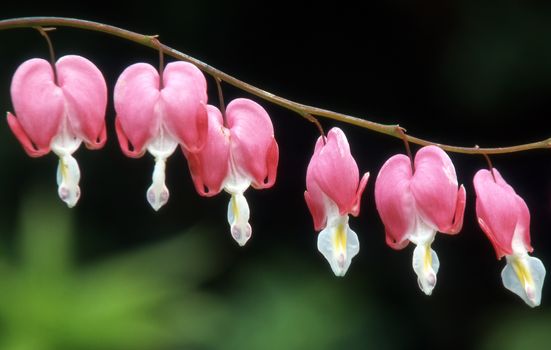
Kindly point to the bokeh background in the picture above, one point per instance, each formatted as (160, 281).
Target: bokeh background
(113, 274)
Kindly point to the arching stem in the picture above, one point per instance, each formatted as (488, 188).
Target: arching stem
(302, 109)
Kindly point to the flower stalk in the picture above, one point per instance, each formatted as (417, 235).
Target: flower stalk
(301, 109)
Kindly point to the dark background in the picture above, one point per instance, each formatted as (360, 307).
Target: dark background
(455, 72)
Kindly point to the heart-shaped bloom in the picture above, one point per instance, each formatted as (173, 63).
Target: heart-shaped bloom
(157, 118)
(59, 114)
(333, 191)
(239, 153)
(505, 219)
(414, 205)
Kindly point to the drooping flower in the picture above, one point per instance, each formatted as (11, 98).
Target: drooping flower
(157, 118)
(58, 111)
(333, 191)
(241, 152)
(505, 219)
(414, 205)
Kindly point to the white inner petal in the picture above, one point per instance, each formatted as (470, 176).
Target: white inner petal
(157, 193)
(68, 178)
(517, 243)
(524, 275)
(236, 182)
(425, 264)
(338, 244)
(64, 144)
(238, 218)
(422, 233)
(161, 147)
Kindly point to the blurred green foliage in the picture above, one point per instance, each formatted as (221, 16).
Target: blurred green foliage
(285, 304)
(155, 298)
(145, 299)
(518, 330)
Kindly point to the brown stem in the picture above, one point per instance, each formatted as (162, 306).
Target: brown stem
(402, 132)
(489, 162)
(316, 122)
(221, 99)
(44, 33)
(490, 165)
(155, 40)
(388, 129)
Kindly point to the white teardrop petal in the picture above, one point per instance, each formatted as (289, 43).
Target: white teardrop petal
(238, 218)
(157, 193)
(338, 244)
(161, 147)
(425, 264)
(68, 178)
(524, 275)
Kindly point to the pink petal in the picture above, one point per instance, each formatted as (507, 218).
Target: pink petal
(523, 223)
(38, 104)
(459, 212)
(434, 186)
(85, 94)
(20, 134)
(314, 197)
(126, 146)
(498, 211)
(253, 146)
(184, 97)
(317, 209)
(336, 172)
(100, 140)
(355, 210)
(272, 159)
(210, 166)
(394, 200)
(136, 103)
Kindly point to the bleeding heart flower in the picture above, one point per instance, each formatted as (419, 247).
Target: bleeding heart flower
(237, 155)
(333, 191)
(505, 219)
(414, 205)
(59, 114)
(157, 118)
